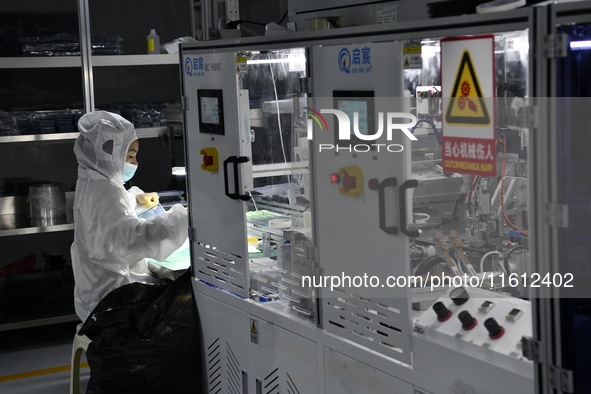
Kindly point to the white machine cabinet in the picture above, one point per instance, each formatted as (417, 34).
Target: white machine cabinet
(340, 209)
(358, 218)
(227, 360)
(217, 123)
(281, 361)
(343, 374)
(275, 360)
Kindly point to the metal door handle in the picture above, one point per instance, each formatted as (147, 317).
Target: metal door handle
(410, 183)
(239, 160)
(231, 159)
(388, 182)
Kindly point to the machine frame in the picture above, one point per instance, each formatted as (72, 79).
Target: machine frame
(543, 246)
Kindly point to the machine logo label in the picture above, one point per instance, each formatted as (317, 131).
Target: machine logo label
(196, 67)
(358, 63)
(345, 60)
(188, 67)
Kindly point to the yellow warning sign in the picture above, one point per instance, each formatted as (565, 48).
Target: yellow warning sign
(241, 65)
(412, 57)
(254, 332)
(407, 50)
(467, 106)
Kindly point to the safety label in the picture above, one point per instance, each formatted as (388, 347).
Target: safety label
(254, 331)
(386, 14)
(466, 105)
(467, 85)
(412, 57)
(241, 65)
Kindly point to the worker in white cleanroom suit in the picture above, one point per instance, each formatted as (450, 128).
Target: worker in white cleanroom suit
(111, 243)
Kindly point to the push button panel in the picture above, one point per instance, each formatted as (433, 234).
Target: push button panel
(489, 329)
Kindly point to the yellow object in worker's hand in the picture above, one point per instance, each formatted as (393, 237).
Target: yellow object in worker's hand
(147, 199)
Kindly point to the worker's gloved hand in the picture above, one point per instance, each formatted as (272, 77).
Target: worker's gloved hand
(147, 199)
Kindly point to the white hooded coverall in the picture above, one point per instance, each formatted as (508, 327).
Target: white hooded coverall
(111, 243)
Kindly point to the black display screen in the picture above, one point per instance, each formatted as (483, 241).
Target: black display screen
(211, 111)
(351, 102)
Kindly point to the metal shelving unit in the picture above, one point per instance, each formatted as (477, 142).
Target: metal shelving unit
(56, 137)
(40, 62)
(97, 61)
(35, 230)
(135, 60)
(38, 322)
(149, 132)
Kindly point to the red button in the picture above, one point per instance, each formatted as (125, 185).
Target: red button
(207, 160)
(349, 182)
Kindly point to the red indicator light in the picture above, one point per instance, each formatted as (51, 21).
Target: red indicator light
(335, 178)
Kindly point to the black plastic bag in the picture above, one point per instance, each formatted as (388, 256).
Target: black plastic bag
(145, 339)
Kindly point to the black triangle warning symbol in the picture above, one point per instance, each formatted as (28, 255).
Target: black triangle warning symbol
(467, 106)
(253, 329)
(406, 63)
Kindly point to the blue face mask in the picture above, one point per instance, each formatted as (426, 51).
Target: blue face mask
(128, 171)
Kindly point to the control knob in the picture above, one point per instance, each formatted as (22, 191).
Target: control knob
(443, 314)
(468, 322)
(494, 330)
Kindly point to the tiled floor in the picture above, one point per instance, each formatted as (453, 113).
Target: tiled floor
(29, 359)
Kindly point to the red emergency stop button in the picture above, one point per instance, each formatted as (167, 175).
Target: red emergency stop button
(207, 160)
(352, 181)
(210, 159)
(349, 182)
